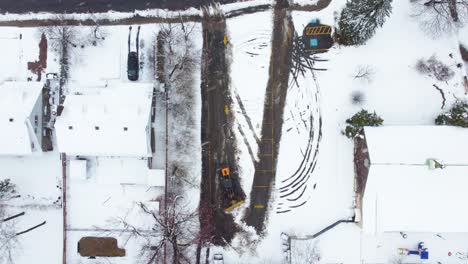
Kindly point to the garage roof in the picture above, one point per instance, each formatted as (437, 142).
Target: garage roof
(402, 193)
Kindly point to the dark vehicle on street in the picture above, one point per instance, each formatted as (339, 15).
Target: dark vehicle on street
(133, 65)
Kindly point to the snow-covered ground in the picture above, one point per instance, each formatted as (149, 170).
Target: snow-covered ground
(113, 186)
(106, 62)
(37, 180)
(250, 51)
(395, 90)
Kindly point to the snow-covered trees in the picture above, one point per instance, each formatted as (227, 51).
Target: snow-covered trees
(8, 240)
(7, 189)
(306, 252)
(359, 120)
(439, 16)
(457, 116)
(173, 233)
(176, 229)
(435, 68)
(360, 18)
(179, 59)
(64, 38)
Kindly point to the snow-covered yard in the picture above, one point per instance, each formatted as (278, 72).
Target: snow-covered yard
(38, 177)
(314, 184)
(395, 90)
(37, 180)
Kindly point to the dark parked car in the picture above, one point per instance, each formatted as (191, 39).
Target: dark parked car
(132, 66)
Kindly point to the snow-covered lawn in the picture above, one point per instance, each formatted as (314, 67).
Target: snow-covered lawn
(113, 189)
(107, 61)
(396, 91)
(250, 51)
(37, 179)
(132, 246)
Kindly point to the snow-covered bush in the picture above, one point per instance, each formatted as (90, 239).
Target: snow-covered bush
(360, 18)
(457, 116)
(434, 68)
(359, 120)
(357, 97)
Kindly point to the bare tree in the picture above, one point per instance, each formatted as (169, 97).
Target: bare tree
(305, 252)
(173, 235)
(178, 62)
(437, 17)
(180, 54)
(64, 41)
(364, 73)
(8, 241)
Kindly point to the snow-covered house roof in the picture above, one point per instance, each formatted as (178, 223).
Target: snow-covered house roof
(402, 193)
(17, 102)
(112, 121)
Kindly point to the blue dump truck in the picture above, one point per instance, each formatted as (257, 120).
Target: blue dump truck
(317, 37)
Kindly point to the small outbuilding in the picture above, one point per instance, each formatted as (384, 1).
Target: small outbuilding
(99, 247)
(317, 37)
(415, 179)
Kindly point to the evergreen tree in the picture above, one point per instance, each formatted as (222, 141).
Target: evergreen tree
(457, 116)
(359, 120)
(360, 18)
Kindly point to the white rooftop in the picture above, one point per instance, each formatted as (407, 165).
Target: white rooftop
(111, 121)
(415, 144)
(17, 101)
(402, 193)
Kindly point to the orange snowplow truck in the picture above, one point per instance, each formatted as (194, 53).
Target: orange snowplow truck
(230, 187)
(225, 171)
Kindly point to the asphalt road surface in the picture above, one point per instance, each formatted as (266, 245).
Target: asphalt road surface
(70, 6)
(218, 139)
(275, 98)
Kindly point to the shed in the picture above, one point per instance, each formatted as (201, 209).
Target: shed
(99, 247)
(402, 192)
(317, 37)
